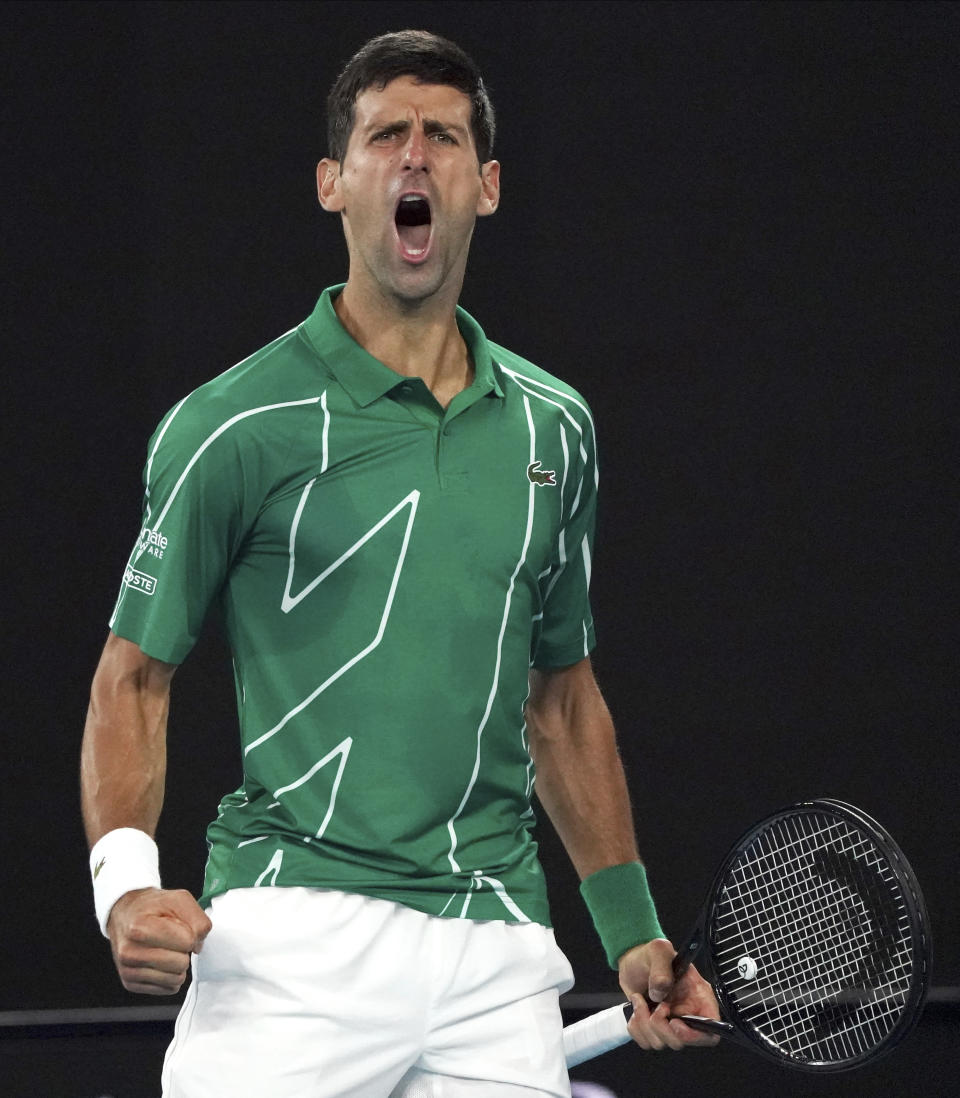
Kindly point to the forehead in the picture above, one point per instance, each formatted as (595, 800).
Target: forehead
(404, 98)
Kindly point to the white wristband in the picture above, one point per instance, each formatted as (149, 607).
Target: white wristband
(123, 860)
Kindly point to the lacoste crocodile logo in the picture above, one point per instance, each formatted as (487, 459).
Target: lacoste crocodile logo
(535, 476)
(98, 867)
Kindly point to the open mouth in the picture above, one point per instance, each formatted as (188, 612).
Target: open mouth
(413, 223)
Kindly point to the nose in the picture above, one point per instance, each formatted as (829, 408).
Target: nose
(416, 152)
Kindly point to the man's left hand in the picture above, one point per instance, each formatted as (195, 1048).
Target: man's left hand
(648, 982)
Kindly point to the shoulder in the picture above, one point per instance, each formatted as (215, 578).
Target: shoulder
(281, 377)
(521, 374)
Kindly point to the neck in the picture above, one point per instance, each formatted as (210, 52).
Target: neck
(419, 339)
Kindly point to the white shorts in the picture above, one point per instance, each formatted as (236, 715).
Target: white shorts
(309, 993)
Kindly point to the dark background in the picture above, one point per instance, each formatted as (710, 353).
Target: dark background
(732, 226)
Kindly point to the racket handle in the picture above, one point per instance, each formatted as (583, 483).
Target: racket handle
(685, 954)
(596, 1034)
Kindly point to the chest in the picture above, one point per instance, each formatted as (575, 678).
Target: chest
(480, 497)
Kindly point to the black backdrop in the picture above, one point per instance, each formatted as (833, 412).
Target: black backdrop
(732, 226)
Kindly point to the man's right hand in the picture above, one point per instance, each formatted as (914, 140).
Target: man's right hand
(153, 932)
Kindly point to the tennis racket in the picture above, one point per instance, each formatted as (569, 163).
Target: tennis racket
(815, 938)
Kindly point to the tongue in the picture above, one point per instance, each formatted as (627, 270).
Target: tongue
(414, 238)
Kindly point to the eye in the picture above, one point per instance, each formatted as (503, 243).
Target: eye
(387, 135)
(443, 138)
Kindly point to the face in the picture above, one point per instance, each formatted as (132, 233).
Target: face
(409, 188)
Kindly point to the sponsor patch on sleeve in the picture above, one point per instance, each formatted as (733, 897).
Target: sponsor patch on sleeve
(140, 581)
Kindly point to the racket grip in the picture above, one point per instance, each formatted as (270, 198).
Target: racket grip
(597, 1034)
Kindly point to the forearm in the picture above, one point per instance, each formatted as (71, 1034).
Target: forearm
(580, 779)
(123, 757)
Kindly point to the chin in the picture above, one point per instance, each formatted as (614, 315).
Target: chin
(416, 286)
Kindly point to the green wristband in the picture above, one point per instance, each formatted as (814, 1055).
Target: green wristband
(619, 901)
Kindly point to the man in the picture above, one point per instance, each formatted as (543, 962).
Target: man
(395, 517)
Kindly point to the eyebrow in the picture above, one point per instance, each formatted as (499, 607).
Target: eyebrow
(430, 125)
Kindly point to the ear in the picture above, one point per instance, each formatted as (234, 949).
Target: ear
(328, 185)
(489, 188)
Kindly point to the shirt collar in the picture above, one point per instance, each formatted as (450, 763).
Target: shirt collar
(364, 377)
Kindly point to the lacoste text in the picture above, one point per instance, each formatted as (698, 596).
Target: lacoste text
(140, 581)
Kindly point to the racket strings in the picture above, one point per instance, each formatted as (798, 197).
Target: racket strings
(824, 976)
(819, 973)
(817, 909)
(817, 915)
(806, 920)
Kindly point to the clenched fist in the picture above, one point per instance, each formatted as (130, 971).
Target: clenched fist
(153, 932)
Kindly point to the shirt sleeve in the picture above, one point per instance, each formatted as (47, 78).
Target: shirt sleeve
(567, 633)
(194, 519)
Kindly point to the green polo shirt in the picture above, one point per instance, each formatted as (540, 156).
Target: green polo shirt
(387, 572)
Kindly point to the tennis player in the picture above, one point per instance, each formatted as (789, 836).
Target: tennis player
(395, 517)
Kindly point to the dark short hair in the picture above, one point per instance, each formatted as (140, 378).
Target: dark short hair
(429, 59)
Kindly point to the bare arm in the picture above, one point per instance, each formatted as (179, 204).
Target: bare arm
(581, 784)
(580, 780)
(123, 761)
(122, 773)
